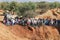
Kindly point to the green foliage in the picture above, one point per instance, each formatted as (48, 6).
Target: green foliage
(30, 13)
(22, 8)
(41, 5)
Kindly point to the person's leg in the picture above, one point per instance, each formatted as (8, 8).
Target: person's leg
(8, 22)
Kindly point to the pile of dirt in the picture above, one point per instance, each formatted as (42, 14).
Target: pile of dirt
(50, 14)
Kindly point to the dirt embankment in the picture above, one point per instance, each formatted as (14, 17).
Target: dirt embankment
(50, 14)
(18, 32)
(6, 34)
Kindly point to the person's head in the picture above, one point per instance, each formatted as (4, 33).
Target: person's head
(54, 19)
(7, 11)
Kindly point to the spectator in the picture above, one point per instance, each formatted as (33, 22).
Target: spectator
(12, 21)
(29, 21)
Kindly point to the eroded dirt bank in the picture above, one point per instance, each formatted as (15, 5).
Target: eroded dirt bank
(18, 32)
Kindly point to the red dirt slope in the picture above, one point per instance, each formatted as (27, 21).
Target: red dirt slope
(18, 32)
(6, 34)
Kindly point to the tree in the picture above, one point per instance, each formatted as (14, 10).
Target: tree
(13, 6)
(25, 7)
